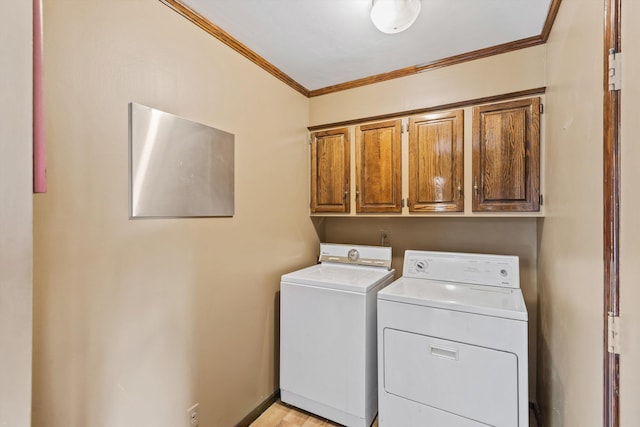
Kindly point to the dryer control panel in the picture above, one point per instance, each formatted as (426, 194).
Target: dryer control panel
(477, 269)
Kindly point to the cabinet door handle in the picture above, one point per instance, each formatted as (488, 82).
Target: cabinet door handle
(475, 185)
(357, 193)
(459, 190)
(345, 195)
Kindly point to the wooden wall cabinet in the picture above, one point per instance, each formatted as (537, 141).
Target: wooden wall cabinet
(501, 176)
(379, 167)
(506, 156)
(330, 171)
(436, 165)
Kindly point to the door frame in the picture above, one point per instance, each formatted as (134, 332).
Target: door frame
(611, 214)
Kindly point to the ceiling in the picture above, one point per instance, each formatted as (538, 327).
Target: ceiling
(320, 46)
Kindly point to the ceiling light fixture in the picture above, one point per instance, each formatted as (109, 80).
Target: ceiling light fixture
(394, 16)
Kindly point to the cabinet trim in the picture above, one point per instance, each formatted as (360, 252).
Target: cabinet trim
(450, 106)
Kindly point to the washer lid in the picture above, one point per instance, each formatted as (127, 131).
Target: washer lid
(338, 276)
(479, 299)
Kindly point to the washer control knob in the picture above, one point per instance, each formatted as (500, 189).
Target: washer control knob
(504, 273)
(353, 255)
(421, 265)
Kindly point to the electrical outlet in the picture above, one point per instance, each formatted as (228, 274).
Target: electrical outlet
(194, 415)
(383, 238)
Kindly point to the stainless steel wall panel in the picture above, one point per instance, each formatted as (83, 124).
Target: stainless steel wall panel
(178, 168)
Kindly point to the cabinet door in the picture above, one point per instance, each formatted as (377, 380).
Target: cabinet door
(506, 156)
(378, 167)
(436, 167)
(330, 171)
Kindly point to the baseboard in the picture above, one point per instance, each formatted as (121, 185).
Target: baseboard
(253, 415)
(533, 407)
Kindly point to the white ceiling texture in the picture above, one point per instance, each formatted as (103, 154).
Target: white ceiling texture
(321, 43)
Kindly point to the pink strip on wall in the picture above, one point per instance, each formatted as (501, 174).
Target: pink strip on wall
(39, 164)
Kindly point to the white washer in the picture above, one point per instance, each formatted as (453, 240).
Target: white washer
(452, 343)
(328, 333)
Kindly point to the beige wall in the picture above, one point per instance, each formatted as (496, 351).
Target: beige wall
(519, 70)
(515, 71)
(15, 214)
(630, 225)
(135, 320)
(570, 271)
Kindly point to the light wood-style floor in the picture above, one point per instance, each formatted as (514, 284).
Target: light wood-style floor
(281, 415)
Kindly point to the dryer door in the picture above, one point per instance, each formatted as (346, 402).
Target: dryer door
(474, 382)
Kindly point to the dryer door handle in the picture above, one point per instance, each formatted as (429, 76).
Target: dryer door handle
(445, 353)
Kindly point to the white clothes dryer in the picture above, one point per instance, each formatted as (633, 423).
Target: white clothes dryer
(328, 363)
(452, 343)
